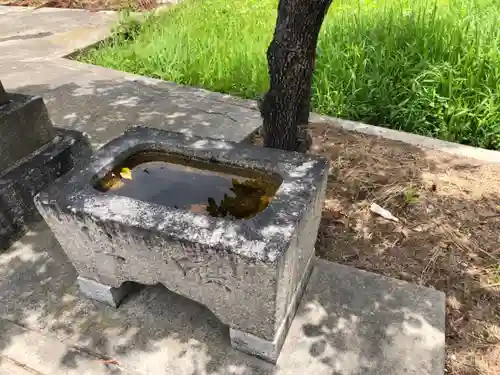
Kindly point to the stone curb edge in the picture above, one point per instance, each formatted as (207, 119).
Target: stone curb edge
(424, 142)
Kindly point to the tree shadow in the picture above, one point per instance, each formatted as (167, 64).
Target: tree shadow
(354, 322)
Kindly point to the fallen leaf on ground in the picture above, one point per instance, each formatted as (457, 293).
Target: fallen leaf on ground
(375, 208)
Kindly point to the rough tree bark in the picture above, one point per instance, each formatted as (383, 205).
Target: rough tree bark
(291, 56)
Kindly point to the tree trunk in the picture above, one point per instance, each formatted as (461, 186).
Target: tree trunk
(291, 56)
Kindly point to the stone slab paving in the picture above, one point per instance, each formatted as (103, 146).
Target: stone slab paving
(26, 33)
(350, 322)
(104, 102)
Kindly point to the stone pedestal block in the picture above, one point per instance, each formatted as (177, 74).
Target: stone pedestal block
(249, 272)
(33, 154)
(19, 185)
(25, 127)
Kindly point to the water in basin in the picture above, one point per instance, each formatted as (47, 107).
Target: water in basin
(200, 186)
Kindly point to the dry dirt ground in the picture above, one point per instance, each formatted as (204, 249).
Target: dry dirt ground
(94, 5)
(447, 237)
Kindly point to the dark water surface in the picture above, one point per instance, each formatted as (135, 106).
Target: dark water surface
(194, 185)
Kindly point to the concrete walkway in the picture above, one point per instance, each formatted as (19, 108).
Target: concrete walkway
(349, 322)
(100, 101)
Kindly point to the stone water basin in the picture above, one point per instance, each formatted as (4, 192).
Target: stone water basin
(231, 226)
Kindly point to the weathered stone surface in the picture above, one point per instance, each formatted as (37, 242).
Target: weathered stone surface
(19, 185)
(25, 127)
(248, 272)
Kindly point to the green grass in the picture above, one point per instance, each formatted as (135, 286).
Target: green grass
(430, 67)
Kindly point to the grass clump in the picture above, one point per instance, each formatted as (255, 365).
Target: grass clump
(430, 67)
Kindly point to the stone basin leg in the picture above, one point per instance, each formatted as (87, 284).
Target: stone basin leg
(103, 293)
(265, 349)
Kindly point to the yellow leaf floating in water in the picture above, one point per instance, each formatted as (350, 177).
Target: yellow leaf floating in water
(126, 173)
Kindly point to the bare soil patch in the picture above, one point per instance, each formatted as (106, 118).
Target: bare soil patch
(447, 237)
(93, 5)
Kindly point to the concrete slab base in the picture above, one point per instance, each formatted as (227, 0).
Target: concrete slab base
(245, 342)
(104, 102)
(348, 322)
